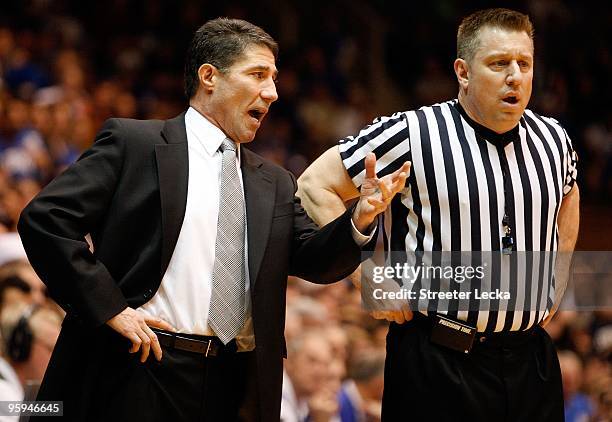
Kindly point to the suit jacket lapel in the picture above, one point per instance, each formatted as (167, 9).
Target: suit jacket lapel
(173, 173)
(260, 195)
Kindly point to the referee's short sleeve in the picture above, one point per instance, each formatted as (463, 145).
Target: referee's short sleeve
(387, 137)
(571, 169)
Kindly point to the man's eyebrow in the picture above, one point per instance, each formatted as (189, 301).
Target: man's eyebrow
(265, 68)
(499, 54)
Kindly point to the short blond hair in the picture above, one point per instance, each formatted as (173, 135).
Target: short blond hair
(470, 27)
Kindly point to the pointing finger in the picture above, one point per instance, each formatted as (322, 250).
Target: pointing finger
(370, 165)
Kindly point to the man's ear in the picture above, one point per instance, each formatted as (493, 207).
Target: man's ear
(462, 72)
(207, 74)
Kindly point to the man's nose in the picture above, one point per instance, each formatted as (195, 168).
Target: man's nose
(269, 93)
(514, 76)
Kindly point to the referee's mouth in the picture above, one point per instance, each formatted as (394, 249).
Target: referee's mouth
(511, 99)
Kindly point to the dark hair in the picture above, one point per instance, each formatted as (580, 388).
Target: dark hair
(467, 35)
(221, 42)
(12, 281)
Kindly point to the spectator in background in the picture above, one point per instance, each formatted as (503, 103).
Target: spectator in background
(11, 204)
(578, 406)
(597, 138)
(359, 338)
(56, 121)
(21, 73)
(23, 153)
(312, 314)
(21, 270)
(360, 398)
(338, 340)
(29, 333)
(598, 385)
(602, 333)
(304, 396)
(10, 386)
(19, 282)
(13, 290)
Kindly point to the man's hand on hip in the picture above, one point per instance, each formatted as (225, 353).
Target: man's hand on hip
(135, 326)
(376, 194)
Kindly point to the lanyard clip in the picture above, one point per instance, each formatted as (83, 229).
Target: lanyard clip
(507, 244)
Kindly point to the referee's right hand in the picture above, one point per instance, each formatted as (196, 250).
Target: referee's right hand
(135, 326)
(399, 316)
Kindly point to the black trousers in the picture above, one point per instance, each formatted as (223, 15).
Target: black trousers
(184, 386)
(507, 377)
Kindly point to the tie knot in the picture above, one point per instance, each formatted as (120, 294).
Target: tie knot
(227, 145)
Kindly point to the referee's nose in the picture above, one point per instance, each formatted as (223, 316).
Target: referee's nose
(514, 76)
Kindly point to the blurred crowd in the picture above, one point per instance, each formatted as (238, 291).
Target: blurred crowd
(66, 66)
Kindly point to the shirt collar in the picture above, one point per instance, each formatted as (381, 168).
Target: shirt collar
(207, 134)
(488, 134)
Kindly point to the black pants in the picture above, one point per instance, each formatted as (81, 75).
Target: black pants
(512, 377)
(114, 385)
(184, 386)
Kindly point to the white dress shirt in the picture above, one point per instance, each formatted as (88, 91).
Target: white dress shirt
(183, 298)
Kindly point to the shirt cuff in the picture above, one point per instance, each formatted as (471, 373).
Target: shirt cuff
(360, 238)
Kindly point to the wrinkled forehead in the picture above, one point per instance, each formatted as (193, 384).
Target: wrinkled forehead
(500, 41)
(255, 53)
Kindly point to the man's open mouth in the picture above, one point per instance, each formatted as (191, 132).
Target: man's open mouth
(257, 114)
(511, 99)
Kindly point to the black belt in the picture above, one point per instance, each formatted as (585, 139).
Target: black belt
(506, 338)
(207, 346)
(491, 339)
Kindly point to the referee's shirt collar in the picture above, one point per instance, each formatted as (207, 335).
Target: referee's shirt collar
(488, 134)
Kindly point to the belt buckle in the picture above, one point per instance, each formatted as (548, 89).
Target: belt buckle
(208, 349)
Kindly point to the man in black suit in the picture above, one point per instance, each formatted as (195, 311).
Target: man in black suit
(193, 238)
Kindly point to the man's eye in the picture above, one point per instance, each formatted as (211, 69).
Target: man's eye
(500, 63)
(258, 75)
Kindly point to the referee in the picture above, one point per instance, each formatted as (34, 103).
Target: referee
(487, 175)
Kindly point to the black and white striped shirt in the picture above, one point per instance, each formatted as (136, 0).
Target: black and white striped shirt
(454, 199)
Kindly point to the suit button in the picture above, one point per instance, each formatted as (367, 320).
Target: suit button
(148, 294)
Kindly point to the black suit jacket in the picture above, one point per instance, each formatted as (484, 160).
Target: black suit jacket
(129, 191)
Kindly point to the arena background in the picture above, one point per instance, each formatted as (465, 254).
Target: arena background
(66, 66)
